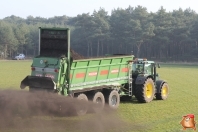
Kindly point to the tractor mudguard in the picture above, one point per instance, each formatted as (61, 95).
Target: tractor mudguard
(140, 80)
(159, 84)
(38, 82)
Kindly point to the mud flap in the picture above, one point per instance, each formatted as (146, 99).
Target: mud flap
(38, 82)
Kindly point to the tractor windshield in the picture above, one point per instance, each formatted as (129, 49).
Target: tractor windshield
(138, 68)
(148, 69)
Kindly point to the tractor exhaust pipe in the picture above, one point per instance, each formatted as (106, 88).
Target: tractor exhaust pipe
(38, 82)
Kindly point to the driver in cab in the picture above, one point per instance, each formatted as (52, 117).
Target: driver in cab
(139, 69)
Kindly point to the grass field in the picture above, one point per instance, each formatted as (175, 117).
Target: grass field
(156, 116)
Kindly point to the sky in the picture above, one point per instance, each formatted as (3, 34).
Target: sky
(51, 8)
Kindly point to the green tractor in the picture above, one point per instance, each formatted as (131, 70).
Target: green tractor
(146, 82)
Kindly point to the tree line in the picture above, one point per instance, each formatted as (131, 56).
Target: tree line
(161, 35)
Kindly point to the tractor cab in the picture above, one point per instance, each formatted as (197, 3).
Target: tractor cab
(143, 67)
(146, 82)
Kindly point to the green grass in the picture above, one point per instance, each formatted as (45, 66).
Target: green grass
(156, 116)
(166, 115)
(12, 73)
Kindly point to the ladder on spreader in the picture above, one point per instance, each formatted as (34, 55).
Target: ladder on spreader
(130, 79)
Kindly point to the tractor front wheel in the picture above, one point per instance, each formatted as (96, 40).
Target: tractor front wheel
(164, 90)
(145, 92)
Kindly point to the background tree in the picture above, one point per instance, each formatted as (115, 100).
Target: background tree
(143, 29)
(21, 35)
(7, 38)
(163, 25)
(161, 35)
(100, 29)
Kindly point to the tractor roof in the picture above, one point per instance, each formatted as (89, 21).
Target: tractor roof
(142, 60)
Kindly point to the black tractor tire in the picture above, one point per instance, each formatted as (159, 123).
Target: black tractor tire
(145, 92)
(82, 108)
(113, 99)
(99, 100)
(164, 91)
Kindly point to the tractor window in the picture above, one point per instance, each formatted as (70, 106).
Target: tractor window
(138, 68)
(148, 69)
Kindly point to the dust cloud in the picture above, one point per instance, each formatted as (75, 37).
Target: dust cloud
(23, 111)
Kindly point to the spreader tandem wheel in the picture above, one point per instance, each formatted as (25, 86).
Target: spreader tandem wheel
(145, 92)
(164, 90)
(99, 99)
(113, 99)
(82, 108)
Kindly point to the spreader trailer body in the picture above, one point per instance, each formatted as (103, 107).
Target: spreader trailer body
(56, 70)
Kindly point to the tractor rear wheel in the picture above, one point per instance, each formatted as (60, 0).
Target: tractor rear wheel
(113, 99)
(145, 92)
(99, 100)
(82, 108)
(164, 89)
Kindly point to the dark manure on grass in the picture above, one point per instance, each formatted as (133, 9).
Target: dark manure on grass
(23, 111)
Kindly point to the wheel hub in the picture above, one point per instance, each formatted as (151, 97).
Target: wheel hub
(149, 90)
(98, 100)
(114, 100)
(164, 91)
